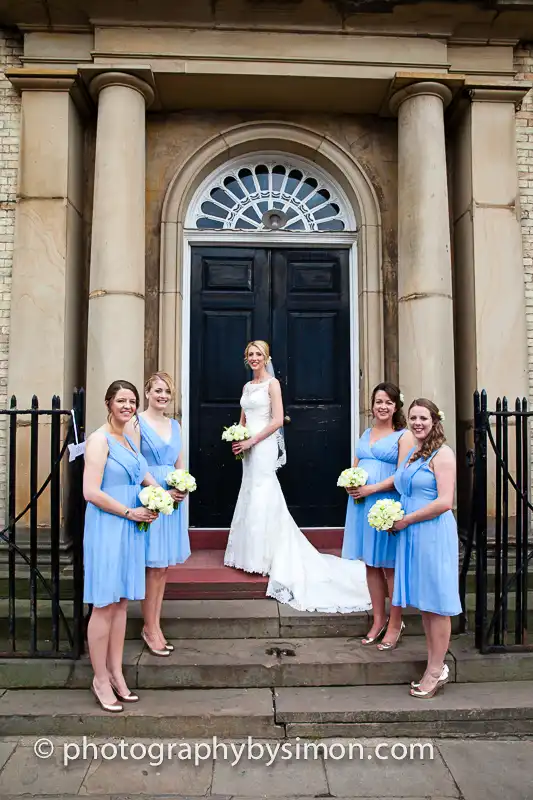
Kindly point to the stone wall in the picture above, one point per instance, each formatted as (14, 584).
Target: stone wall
(10, 52)
(524, 138)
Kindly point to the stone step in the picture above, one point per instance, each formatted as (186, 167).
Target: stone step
(271, 663)
(219, 619)
(466, 710)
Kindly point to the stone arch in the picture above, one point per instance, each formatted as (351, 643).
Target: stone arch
(295, 140)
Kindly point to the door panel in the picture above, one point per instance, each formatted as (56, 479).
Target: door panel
(311, 344)
(299, 302)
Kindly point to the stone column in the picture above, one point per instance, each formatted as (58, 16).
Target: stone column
(115, 348)
(425, 312)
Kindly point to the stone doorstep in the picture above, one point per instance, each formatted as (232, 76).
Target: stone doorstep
(233, 663)
(469, 709)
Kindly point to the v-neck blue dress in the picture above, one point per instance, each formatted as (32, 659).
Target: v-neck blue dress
(167, 539)
(113, 546)
(362, 542)
(427, 557)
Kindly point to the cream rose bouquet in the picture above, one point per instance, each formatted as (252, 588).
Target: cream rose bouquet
(236, 433)
(353, 478)
(182, 480)
(156, 499)
(384, 513)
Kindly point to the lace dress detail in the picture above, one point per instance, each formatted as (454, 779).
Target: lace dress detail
(265, 539)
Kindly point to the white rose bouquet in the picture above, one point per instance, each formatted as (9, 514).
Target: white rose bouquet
(236, 433)
(384, 513)
(182, 480)
(353, 478)
(156, 499)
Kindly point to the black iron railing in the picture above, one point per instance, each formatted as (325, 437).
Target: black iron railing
(44, 583)
(500, 530)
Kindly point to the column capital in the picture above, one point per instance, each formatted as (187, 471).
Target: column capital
(110, 77)
(430, 88)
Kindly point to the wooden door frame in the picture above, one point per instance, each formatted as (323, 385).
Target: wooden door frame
(268, 240)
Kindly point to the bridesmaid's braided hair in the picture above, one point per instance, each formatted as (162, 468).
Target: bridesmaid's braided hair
(435, 437)
(393, 392)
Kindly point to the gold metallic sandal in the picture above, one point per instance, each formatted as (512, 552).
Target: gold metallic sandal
(393, 645)
(372, 640)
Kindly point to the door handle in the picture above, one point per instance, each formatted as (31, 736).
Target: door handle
(287, 420)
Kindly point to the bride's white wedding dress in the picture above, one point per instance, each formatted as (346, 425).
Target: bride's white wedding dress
(265, 539)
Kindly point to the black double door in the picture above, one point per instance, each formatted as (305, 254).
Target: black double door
(298, 301)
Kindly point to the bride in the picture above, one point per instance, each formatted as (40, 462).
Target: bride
(264, 537)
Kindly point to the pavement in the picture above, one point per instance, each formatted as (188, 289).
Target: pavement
(244, 769)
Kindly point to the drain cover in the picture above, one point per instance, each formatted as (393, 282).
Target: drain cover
(280, 650)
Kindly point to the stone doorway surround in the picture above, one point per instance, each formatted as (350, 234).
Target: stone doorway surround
(294, 140)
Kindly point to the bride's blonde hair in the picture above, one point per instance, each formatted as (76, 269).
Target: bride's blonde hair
(261, 346)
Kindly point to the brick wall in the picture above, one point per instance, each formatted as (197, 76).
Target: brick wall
(10, 52)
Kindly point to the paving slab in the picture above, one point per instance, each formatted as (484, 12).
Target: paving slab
(401, 769)
(24, 773)
(212, 619)
(178, 713)
(471, 665)
(263, 776)
(491, 770)
(147, 776)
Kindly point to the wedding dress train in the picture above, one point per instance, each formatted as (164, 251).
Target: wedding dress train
(265, 539)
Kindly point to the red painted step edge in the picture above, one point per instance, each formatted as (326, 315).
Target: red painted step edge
(216, 539)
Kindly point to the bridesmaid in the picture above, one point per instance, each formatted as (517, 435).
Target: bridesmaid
(113, 547)
(427, 557)
(379, 450)
(167, 541)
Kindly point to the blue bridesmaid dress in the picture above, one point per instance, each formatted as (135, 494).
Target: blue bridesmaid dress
(167, 539)
(113, 546)
(427, 555)
(361, 542)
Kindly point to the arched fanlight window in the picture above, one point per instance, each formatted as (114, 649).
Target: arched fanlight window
(269, 193)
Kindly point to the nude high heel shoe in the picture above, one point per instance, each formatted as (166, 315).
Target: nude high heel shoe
(368, 640)
(416, 691)
(112, 707)
(392, 645)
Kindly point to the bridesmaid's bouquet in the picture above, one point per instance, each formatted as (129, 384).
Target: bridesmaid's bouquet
(236, 433)
(182, 480)
(156, 499)
(384, 513)
(353, 478)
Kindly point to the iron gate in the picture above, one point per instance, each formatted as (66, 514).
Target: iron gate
(500, 533)
(44, 596)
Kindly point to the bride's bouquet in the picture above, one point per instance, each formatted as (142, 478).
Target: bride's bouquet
(353, 478)
(182, 480)
(156, 499)
(384, 513)
(236, 433)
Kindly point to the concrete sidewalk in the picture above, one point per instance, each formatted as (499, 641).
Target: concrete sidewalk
(473, 769)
